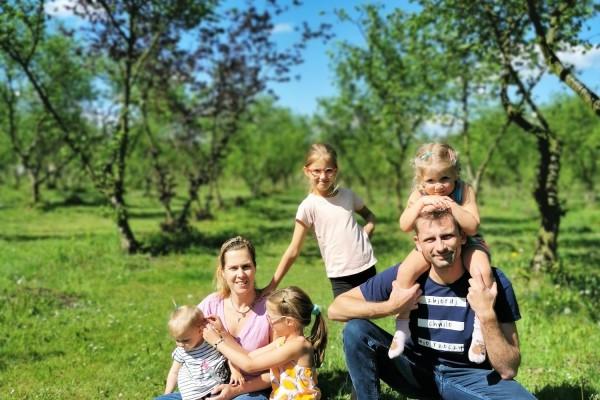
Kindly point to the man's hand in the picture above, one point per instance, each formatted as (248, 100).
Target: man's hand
(501, 340)
(403, 301)
(352, 304)
(481, 298)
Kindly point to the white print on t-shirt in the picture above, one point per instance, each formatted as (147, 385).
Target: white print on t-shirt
(441, 324)
(444, 301)
(454, 347)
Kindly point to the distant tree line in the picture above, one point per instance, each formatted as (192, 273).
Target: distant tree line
(456, 61)
(171, 97)
(169, 81)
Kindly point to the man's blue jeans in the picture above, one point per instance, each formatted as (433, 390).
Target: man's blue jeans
(366, 350)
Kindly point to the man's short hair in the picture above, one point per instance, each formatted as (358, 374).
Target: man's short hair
(436, 215)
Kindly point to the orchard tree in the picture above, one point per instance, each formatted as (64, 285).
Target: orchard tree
(121, 41)
(125, 38)
(469, 91)
(501, 37)
(118, 40)
(560, 26)
(389, 86)
(34, 138)
(206, 92)
(512, 166)
(270, 146)
(337, 124)
(580, 128)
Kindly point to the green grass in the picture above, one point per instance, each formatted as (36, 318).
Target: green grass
(80, 320)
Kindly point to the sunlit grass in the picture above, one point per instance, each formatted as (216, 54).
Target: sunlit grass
(81, 320)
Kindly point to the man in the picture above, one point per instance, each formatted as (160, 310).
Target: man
(435, 361)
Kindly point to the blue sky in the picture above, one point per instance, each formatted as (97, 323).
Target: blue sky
(316, 76)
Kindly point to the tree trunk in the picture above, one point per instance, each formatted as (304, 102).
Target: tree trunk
(217, 190)
(546, 193)
(35, 187)
(476, 178)
(398, 183)
(16, 172)
(546, 197)
(128, 242)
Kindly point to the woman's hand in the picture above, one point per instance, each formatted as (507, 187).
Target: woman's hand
(215, 322)
(211, 335)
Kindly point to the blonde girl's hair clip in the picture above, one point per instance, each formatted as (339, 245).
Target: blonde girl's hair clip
(426, 155)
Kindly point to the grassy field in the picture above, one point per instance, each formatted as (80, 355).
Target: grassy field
(80, 320)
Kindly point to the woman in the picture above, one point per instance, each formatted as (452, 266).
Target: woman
(238, 304)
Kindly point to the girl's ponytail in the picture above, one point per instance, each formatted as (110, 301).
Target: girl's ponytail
(318, 336)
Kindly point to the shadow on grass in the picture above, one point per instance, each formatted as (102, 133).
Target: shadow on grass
(73, 200)
(335, 384)
(267, 212)
(33, 238)
(190, 240)
(574, 241)
(193, 241)
(571, 392)
(32, 356)
(273, 211)
(157, 215)
(512, 220)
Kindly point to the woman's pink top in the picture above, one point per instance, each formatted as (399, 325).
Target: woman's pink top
(254, 334)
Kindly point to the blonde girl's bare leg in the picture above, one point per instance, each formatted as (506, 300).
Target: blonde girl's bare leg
(413, 267)
(477, 257)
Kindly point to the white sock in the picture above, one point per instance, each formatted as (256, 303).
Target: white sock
(402, 332)
(477, 350)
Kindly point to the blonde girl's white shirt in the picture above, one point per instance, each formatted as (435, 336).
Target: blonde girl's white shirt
(344, 244)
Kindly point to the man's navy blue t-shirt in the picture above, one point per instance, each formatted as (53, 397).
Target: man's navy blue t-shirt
(442, 326)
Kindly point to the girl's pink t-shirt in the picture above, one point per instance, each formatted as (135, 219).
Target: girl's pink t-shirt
(255, 334)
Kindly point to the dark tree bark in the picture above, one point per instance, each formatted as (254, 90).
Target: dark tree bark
(545, 39)
(545, 257)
